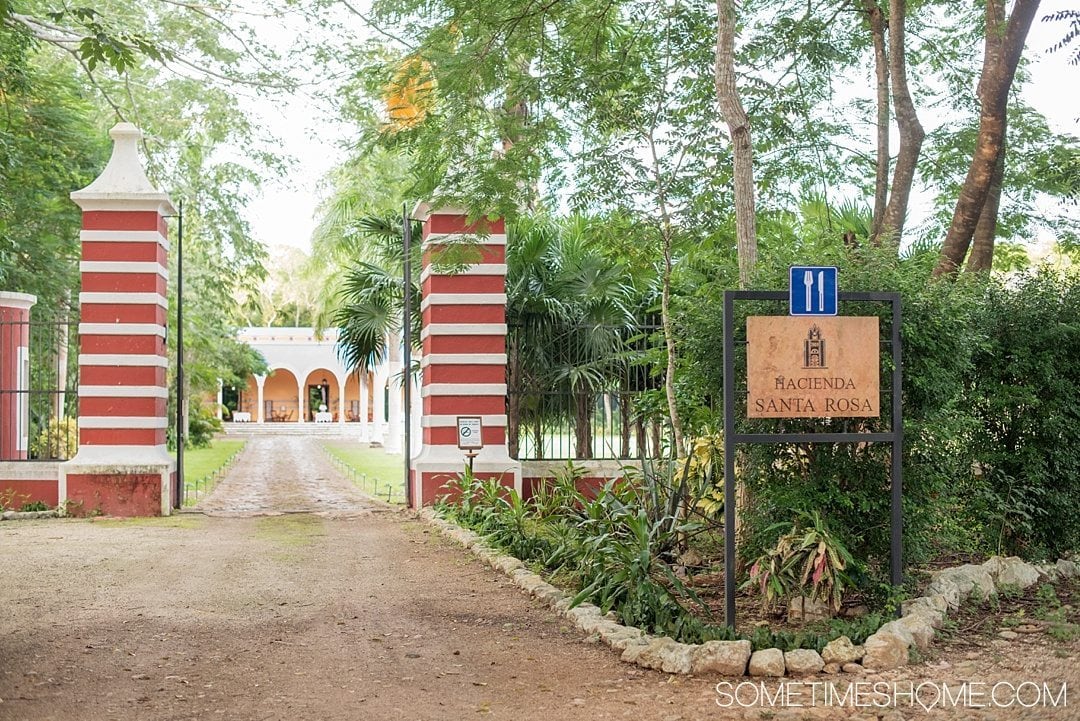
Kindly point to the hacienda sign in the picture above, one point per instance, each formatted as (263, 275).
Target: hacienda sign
(813, 363)
(812, 367)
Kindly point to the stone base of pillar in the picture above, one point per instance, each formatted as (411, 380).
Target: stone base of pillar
(435, 466)
(119, 481)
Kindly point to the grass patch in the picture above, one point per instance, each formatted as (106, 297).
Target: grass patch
(293, 530)
(187, 521)
(202, 467)
(372, 470)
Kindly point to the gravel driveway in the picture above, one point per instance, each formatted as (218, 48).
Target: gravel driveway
(295, 597)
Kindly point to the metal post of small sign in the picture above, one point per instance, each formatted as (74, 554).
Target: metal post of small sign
(470, 437)
(813, 292)
(406, 334)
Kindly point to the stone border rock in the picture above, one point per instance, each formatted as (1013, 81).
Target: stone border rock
(887, 648)
(27, 515)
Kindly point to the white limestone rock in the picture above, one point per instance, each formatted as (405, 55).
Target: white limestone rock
(677, 658)
(727, 658)
(841, 650)
(767, 662)
(971, 580)
(1017, 572)
(885, 650)
(803, 662)
(921, 628)
(802, 609)
(947, 590)
(651, 655)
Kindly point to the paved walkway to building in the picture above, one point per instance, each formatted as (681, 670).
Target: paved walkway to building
(345, 611)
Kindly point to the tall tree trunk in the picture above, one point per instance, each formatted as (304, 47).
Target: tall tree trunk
(911, 131)
(583, 424)
(982, 243)
(1003, 50)
(538, 437)
(731, 109)
(667, 240)
(516, 108)
(513, 398)
(876, 20)
(669, 344)
(624, 422)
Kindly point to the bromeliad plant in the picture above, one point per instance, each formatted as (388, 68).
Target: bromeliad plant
(807, 561)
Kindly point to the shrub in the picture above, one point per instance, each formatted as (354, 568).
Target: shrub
(202, 425)
(1025, 391)
(10, 499)
(59, 439)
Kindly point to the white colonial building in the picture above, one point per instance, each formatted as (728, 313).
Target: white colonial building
(307, 383)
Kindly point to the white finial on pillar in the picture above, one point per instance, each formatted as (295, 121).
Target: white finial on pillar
(124, 179)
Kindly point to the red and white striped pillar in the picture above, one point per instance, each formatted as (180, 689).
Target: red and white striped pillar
(15, 375)
(464, 356)
(122, 467)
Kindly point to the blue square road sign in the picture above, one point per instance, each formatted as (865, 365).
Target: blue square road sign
(813, 290)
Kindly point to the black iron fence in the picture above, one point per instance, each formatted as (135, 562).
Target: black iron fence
(585, 391)
(38, 390)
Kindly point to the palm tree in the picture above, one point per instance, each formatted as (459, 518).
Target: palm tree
(570, 306)
(370, 306)
(370, 301)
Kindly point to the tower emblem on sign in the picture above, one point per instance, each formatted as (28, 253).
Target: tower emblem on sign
(814, 349)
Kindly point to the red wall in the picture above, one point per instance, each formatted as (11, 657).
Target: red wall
(115, 495)
(45, 490)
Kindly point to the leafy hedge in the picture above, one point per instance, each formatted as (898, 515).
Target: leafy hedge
(991, 405)
(1025, 394)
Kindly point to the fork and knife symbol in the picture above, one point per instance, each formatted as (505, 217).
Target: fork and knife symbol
(808, 281)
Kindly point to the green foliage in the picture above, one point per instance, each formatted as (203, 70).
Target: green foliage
(1024, 394)
(1047, 597)
(49, 146)
(104, 44)
(616, 548)
(705, 473)
(1070, 19)
(202, 425)
(60, 439)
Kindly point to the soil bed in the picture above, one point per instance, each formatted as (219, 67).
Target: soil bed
(1041, 613)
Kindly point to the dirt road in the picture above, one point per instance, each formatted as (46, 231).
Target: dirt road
(346, 611)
